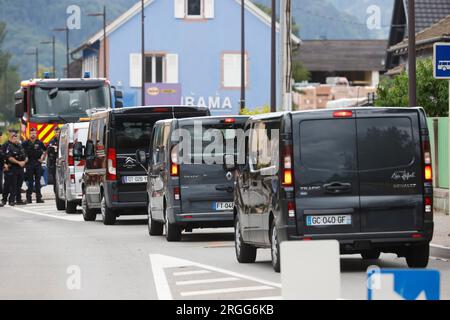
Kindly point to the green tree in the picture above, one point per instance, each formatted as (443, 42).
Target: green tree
(299, 72)
(9, 80)
(432, 94)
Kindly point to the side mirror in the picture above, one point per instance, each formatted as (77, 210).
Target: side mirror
(229, 162)
(19, 109)
(78, 151)
(89, 151)
(118, 94)
(18, 95)
(118, 104)
(141, 157)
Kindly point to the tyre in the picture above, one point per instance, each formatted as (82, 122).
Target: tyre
(88, 214)
(245, 253)
(108, 215)
(418, 256)
(371, 255)
(71, 207)
(60, 204)
(155, 228)
(275, 247)
(173, 232)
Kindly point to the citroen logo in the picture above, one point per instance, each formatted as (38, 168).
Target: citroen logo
(129, 163)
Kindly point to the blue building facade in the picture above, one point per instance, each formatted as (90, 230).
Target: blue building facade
(192, 52)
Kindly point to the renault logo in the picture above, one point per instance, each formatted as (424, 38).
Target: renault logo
(229, 176)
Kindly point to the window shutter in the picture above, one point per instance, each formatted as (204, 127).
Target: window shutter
(209, 9)
(180, 10)
(135, 70)
(172, 68)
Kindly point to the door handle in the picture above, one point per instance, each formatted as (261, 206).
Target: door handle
(337, 187)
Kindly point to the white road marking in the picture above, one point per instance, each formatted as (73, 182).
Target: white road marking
(72, 218)
(204, 281)
(161, 262)
(227, 290)
(190, 273)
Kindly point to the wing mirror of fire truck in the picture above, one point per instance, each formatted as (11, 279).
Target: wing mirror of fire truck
(78, 151)
(19, 109)
(89, 150)
(19, 95)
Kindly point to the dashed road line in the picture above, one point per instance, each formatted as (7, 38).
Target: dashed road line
(217, 280)
(227, 290)
(190, 273)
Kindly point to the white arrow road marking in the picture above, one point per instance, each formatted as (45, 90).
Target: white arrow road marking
(162, 263)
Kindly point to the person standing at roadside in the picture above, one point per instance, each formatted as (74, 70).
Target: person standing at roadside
(35, 152)
(52, 155)
(16, 160)
(2, 164)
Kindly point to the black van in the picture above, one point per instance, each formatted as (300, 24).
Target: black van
(362, 176)
(195, 191)
(114, 180)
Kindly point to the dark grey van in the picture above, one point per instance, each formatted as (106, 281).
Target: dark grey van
(192, 192)
(114, 181)
(361, 176)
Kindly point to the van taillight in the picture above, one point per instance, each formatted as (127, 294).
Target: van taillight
(176, 193)
(111, 174)
(428, 173)
(428, 169)
(291, 209)
(428, 205)
(72, 178)
(343, 114)
(288, 176)
(174, 167)
(70, 160)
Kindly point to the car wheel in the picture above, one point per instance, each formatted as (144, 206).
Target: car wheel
(71, 207)
(108, 215)
(88, 214)
(418, 256)
(275, 247)
(245, 253)
(173, 232)
(155, 228)
(371, 255)
(60, 204)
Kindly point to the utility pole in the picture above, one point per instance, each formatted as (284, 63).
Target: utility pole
(285, 95)
(35, 53)
(52, 42)
(243, 56)
(103, 15)
(66, 30)
(412, 53)
(273, 63)
(143, 52)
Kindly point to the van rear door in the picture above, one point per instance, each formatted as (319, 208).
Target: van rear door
(326, 172)
(390, 170)
(207, 187)
(80, 135)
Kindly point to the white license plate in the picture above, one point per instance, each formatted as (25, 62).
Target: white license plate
(224, 206)
(135, 179)
(338, 220)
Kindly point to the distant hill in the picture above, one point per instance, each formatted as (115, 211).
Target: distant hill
(29, 22)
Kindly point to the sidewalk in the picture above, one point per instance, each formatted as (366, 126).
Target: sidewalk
(47, 193)
(441, 229)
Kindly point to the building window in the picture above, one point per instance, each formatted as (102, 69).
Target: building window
(231, 70)
(155, 69)
(194, 8)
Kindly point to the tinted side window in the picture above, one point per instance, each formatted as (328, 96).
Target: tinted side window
(265, 145)
(328, 144)
(385, 143)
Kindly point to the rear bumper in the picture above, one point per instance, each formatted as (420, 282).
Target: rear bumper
(206, 220)
(358, 242)
(112, 195)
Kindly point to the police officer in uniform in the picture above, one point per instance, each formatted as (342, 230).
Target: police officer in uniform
(16, 160)
(35, 152)
(52, 153)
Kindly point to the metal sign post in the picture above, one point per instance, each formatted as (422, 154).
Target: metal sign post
(441, 70)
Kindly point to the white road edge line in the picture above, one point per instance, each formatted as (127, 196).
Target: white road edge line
(73, 219)
(204, 281)
(160, 262)
(225, 290)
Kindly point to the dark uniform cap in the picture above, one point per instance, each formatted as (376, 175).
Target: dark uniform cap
(33, 129)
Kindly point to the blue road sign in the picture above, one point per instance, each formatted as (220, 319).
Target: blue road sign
(397, 284)
(441, 60)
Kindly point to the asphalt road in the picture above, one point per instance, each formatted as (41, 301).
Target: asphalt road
(45, 254)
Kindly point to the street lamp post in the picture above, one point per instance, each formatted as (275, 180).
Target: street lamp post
(35, 53)
(52, 42)
(243, 60)
(143, 52)
(273, 64)
(103, 15)
(412, 53)
(66, 30)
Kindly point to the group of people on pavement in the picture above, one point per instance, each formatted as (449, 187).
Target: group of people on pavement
(22, 161)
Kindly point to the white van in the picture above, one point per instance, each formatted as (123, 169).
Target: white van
(69, 169)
